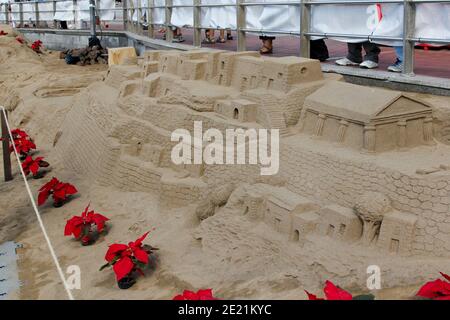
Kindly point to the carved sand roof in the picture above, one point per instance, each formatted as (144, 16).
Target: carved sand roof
(363, 104)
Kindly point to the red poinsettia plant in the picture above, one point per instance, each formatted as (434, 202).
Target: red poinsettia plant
(36, 46)
(204, 294)
(437, 289)
(128, 259)
(3, 33)
(333, 292)
(20, 40)
(59, 190)
(23, 143)
(30, 165)
(82, 227)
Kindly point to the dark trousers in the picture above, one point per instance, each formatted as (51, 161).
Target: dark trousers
(355, 52)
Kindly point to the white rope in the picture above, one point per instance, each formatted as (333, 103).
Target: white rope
(41, 224)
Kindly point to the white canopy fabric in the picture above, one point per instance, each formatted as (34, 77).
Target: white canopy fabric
(371, 20)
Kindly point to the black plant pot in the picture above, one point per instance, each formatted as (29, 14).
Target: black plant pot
(58, 204)
(126, 283)
(39, 175)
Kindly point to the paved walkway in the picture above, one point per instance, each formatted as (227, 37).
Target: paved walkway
(433, 62)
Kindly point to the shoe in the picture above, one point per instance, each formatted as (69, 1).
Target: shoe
(368, 65)
(178, 39)
(396, 67)
(346, 62)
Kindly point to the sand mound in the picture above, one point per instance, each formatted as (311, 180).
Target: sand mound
(113, 143)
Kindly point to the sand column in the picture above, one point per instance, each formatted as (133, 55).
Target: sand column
(369, 138)
(401, 138)
(320, 124)
(428, 130)
(342, 130)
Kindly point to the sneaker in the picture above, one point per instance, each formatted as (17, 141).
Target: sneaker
(346, 62)
(368, 65)
(396, 67)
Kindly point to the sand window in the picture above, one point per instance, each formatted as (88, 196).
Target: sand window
(395, 246)
(330, 231)
(296, 235)
(342, 228)
(236, 113)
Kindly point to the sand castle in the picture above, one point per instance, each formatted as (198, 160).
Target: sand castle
(341, 145)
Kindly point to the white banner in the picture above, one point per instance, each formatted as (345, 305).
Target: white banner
(159, 14)
(45, 11)
(64, 11)
(182, 16)
(2, 13)
(219, 17)
(433, 20)
(15, 12)
(369, 20)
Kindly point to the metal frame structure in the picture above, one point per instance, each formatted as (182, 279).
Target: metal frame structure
(408, 39)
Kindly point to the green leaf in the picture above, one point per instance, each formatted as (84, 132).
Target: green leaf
(364, 297)
(105, 266)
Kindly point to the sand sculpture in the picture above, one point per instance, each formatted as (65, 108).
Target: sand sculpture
(349, 154)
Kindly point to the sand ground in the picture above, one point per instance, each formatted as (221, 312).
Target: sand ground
(235, 257)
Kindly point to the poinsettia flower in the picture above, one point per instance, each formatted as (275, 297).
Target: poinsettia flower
(20, 40)
(19, 134)
(3, 33)
(126, 258)
(59, 190)
(33, 165)
(23, 146)
(81, 225)
(313, 296)
(205, 294)
(36, 46)
(332, 292)
(437, 289)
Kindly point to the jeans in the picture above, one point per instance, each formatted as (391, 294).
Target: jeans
(355, 52)
(399, 53)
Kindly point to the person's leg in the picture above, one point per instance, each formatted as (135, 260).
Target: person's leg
(398, 65)
(399, 53)
(222, 36)
(209, 36)
(372, 51)
(229, 35)
(371, 57)
(354, 55)
(354, 52)
(177, 35)
(267, 47)
(319, 50)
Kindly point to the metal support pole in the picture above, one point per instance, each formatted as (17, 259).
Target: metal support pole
(169, 31)
(75, 12)
(5, 146)
(197, 23)
(151, 29)
(140, 21)
(409, 25)
(55, 23)
(241, 23)
(21, 24)
(125, 14)
(93, 31)
(305, 23)
(36, 9)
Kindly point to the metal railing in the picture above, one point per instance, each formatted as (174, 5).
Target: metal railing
(144, 25)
